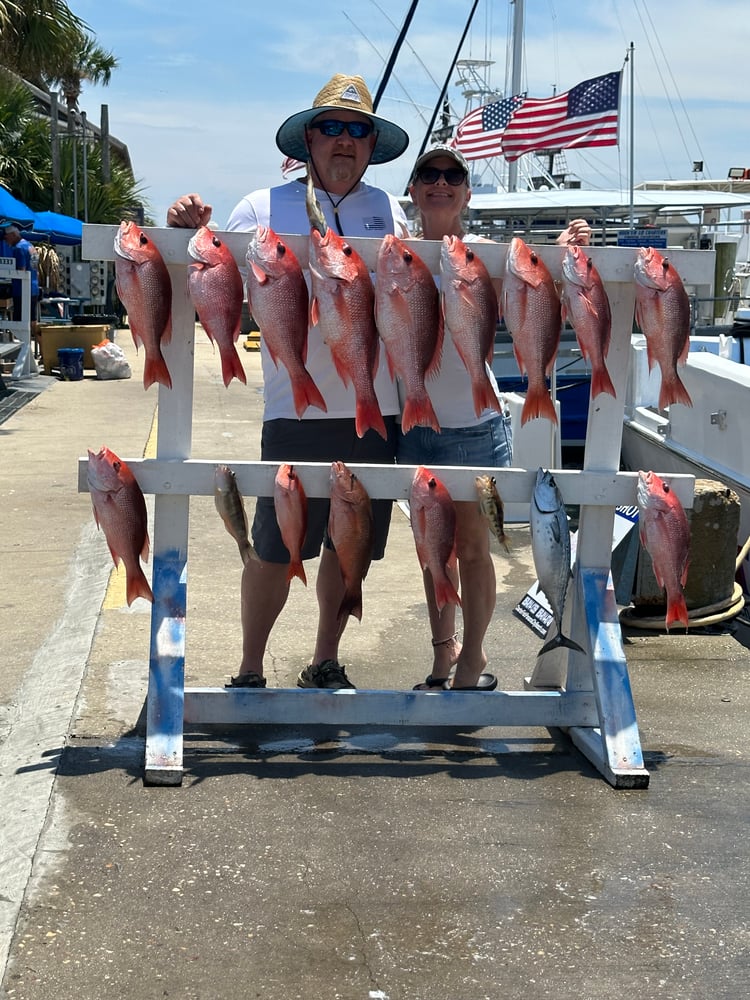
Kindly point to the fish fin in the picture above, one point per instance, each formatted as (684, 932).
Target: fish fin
(368, 417)
(538, 404)
(601, 382)
(138, 586)
(436, 361)
(314, 311)
(296, 569)
(231, 366)
(419, 412)
(484, 397)
(155, 370)
(557, 641)
(259, 274)
(146, 549)
(167, 331)
(306, 393)
(445, 593)
(673, 391)
(677, 611)
(351, 605)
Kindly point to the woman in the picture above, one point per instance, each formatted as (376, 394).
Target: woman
(440, 190)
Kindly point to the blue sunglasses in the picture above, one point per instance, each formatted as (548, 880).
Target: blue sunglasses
(332, 127)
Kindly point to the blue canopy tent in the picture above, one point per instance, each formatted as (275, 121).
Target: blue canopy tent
(52, 227)
(12, 211)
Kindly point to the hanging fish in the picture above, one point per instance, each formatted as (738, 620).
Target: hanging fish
(491, 505)
(550, 547)
(231, 508)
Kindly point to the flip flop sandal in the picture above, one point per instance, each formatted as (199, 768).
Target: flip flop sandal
(431, 683)
(486, 682)
(249, 680)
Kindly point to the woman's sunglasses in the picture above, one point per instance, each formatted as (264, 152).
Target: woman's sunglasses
(430, 175)
(332, 126)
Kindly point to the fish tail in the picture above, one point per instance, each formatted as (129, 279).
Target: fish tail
(296, 568)
(138, 586)
(155, 370)
(231, 366)
(673, 391)
(484, 397)
(351, 605)
(557, 641)
(419, 412)
(368, 417)
(601, 382)
(306, 393)
(538, 404)
(247, 551)
(677, 612)
(445, 593)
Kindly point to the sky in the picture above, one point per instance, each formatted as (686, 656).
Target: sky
(201, 88)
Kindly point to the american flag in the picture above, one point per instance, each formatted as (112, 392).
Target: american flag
(290, 166)
(479, 134)
(586, 115)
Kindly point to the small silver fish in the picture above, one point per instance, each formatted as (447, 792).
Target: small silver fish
(231, 508)
(491, 505)
(550, 547)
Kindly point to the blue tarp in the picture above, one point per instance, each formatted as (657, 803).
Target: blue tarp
(13, 211)
(53, 227)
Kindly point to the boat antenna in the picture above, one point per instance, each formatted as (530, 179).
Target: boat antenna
(443, 92)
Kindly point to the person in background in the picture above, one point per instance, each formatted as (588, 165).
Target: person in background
(440, 190)
(338, 137)
(25, 256)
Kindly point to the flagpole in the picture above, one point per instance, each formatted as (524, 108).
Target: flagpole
(515, 86)
(632, 138)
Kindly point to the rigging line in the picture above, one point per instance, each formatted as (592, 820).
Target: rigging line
(677, 89)
(658, 70)
(407, 43)
(381, 57)
(394, 54)
(644, 100)
(447, 80)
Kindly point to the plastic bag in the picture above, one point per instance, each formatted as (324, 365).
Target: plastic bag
(110, 361)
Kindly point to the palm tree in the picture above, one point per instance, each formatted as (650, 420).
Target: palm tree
(87, 62)
(25, 155)
(36, 36)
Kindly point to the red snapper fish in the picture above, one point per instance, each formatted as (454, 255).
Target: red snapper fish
(407, 314)
(532, 314)
(145, 289)
(351, 527)
(433, 524)
(662, 311)
(665, 534)
(470, 311)
(215, 289)
(290, 504)
(585, 304)
(343, 302)
(120, 511)
(279, 302)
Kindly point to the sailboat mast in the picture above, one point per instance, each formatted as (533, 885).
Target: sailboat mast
(632, 138)
(516, 67)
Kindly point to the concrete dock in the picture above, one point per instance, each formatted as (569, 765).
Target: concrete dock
(305, 863)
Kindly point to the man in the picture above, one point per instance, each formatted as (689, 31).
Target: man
(338, 137)
(24, 253)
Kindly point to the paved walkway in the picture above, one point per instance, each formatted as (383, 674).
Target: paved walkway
(409, 865)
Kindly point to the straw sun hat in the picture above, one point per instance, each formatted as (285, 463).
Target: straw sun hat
(348, 93)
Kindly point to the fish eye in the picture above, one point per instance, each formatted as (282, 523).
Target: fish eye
(347, 250)
(431, 482)
(408, 257)
(280, 249)
(143, 240)
(534, 258)
(469, 254)
(216, 241)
